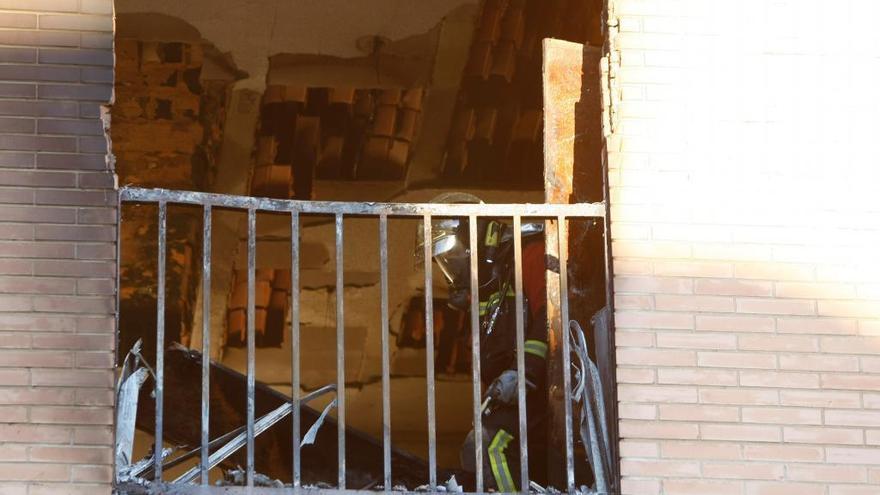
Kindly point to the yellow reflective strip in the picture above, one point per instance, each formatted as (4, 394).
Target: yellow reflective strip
(491, 234)
(498, 461)
(504, 467)
(537, 348)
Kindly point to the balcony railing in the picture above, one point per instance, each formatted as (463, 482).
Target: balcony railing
(211, 452)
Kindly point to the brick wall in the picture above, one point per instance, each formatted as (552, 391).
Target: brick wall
(57, 253)
(743, 165)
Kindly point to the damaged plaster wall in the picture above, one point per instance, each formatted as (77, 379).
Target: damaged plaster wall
(252, 31)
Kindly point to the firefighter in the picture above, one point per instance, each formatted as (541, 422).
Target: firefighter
(498, 344)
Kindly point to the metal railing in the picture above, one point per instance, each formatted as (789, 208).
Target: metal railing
(560, 213)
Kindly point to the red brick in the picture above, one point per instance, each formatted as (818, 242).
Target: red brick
(781, 415)
(37, 323)
(743, 470)
(732, 287)
(834, 326)
(846, 455)
(13, 414)
(98, 287)
(818, 362)
(93, 435)
(47, 143)
(96, 180)
(15, 341)
(655, 357)
(783, 488)
(779, 379)
(96, 474)
(16, 159)
(77, 22)
(734, 323)
(35, 396)
(29, 433)
(17, 126)
(637, 411)
(76, 268)
(76, 198)
(34, 472)
(694, 303)
(630, 486)
(658, 468)
(20, 37)
(687, 412)
(38, 179)
(845, 381)
(36, 250)
(77, 56)
(657, 429)
(696, 340)
(74, 304)
(775, 306)
(623, 338)
(70, 161)
(71, 454)
(692, 269)
(790, 343)
(775, 271)
(69, 489)
(737, 432)
(75, 233)
(634, 319)
(84, 92)
(73, 342)
(822, 435)
(824, 398)
(72, 378)
(633, 448)
(40, 5)
(72, 415)
(654, 393)
(10, 20)
(696, 376)
(857, 309)
(851, 345)
(27, 285)
(821, 473)
(13, 453)
(94, 397)
(701, 450)
(739, 396)
(632, 375)
(653, 285)
(95, 324)
(106, 216)
(701, 487)
(16, 267)
(37, 214)
(37, 359)
(852, 418)
(736, 360)
(785, 453)
(96, 251)
(15, 303)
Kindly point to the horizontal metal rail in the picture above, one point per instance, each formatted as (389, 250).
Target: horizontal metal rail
(134, 194)
(472, 213)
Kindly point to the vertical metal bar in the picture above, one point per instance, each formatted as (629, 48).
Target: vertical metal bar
(294, 344)
(475, 352)
(562, 237)
(160, 342)
(340, 354)
(520, 356)
(429, 353)
(386, 368)
(251, 340)
(206, 340)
